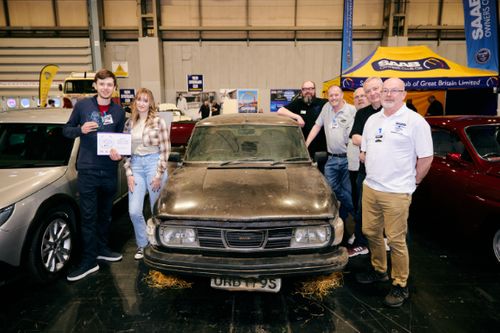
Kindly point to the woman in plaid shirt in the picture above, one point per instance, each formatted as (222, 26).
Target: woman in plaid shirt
(146, 169)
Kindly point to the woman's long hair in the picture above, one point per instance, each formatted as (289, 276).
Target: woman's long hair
(152, 112)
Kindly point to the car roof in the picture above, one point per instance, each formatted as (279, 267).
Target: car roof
(247, 118)
(462, 121)
(36, 116)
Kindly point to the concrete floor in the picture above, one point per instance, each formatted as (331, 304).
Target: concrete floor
(453, 289)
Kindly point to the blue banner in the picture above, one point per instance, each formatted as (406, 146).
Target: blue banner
(435, 83)
(347, 36)
(480, 17)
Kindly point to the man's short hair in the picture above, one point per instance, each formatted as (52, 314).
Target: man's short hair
(104, 74)
(373, 78)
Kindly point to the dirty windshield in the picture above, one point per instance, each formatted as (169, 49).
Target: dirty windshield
(234, 143)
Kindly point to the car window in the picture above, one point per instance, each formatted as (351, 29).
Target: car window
(446, 142)
(237, 142)
(33, 145)
(486, 140)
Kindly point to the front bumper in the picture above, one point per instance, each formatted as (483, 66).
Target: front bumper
(245, 267)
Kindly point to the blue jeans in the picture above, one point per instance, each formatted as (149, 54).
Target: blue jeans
(337, 175)
(144, 170)
(97, 189)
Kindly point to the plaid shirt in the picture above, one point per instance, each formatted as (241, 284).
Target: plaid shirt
(156, 134)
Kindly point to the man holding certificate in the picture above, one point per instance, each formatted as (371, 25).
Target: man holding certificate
(97, 174)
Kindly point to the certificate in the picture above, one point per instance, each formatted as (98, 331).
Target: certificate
(119, 141)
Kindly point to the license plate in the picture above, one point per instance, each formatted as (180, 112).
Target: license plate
(271, 285)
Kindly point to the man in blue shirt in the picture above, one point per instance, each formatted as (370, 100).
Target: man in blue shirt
(97, 175)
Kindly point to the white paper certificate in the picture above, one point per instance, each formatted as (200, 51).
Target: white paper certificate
(120, 141)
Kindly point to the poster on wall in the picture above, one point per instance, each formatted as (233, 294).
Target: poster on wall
(281, 97)
(248, 100)
(195, 82)
(228, 101)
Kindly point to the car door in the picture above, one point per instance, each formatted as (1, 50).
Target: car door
(450, 173)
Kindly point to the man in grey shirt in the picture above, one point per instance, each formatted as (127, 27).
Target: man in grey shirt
(336, 118)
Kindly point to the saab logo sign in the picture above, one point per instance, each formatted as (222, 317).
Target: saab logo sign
(419, 65)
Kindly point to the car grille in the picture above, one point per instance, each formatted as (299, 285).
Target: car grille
(245, 239)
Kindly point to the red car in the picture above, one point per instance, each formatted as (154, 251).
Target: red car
(464, 180)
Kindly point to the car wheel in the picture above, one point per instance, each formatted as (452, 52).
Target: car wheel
(52, 244)
(496, 245)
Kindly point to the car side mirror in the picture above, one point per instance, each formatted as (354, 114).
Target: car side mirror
(320, 157)
(60, 87)
(454, 157)
(174, 157)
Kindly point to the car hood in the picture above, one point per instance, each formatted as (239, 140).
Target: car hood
(247, 193)
(17, 184)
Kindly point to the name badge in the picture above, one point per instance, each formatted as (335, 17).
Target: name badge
(107, 119)
(302, 111)
(379, 135)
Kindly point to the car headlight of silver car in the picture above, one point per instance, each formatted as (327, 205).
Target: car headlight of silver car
(5, 213)
(178, 236)
(311, 236)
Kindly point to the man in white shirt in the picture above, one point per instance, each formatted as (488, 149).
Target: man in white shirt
(336, 119)
(397, 150)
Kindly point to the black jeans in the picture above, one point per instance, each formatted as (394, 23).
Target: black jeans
(97, 190)
(358, 218)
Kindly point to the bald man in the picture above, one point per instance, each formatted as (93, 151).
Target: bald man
(397, 149)
(336, 119)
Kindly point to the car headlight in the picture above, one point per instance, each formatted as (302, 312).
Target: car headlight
(313, 236)
(178, 236)
(5, 213)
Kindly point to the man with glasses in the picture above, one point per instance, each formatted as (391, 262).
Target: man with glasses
(397, 149)
(360, 101)
(372, 88)
(305, 110)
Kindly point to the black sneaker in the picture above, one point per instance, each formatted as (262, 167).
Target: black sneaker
(82, 271)
(396, 297)
(372, 276)
(109, 255)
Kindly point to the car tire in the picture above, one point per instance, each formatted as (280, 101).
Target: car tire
(52, 244)
(496, 245)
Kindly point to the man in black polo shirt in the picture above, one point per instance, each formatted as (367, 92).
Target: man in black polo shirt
(373, 89)
(305, 110)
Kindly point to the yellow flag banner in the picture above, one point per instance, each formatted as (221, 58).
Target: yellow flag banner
(46, 76)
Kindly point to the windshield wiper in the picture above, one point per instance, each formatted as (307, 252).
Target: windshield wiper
(291, 159)
(252, 159)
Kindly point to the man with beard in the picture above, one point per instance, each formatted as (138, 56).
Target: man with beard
(336, 119)
(372, 88)
(397, 149)
(305, 110)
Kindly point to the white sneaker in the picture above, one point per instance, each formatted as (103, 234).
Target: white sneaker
(351, 239)
(387, 248)
(139, 254)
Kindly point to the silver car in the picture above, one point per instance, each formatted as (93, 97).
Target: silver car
(39, 212)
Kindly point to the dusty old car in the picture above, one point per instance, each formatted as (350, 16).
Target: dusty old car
(246, 208)
(463, 183)
(38, 195)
